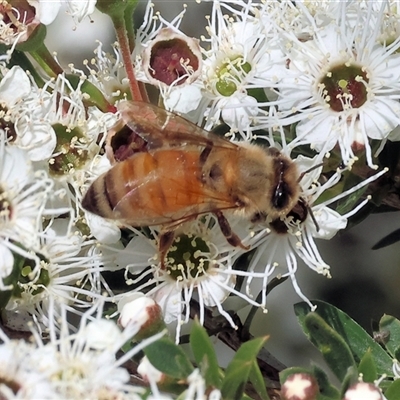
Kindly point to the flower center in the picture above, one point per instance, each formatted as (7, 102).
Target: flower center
(344, 87)
(185, 258)
(69, 152)
(172, 60)
(230, 74)
(16, 14)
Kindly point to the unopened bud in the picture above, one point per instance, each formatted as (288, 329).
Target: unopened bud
(363, 391)
(116, 7)
(300, 386)
(142, 312)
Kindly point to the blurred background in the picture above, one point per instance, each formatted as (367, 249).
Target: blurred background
(365, 283)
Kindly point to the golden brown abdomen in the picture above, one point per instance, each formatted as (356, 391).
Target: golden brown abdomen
(150, 188)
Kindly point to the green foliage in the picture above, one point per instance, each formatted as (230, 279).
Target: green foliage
(205, 356)
(393, 391)
(356, 338)
(242, 367)
(350, 352)
(367, 367)
(170, 359)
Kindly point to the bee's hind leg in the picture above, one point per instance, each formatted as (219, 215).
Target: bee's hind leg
(165, 241)
(226, 230)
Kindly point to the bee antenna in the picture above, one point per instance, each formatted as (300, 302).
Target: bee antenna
(309, 209)
(309, 170)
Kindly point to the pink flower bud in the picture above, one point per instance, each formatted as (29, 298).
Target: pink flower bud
(300, 386)
(363, 391)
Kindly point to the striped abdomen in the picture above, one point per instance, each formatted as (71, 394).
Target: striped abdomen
(150, 188)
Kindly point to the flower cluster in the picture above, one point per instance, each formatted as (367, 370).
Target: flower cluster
(313, 85)
(70, 364)
(262, 67)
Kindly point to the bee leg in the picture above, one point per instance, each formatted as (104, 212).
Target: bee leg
(164, 243)
(226, 230)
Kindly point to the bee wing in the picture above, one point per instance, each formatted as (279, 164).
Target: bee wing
(164, 196)
(153, 215)
(163, 129)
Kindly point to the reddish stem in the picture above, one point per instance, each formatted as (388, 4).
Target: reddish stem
(119, 24)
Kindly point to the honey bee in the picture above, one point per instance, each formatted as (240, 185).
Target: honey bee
(184, 171)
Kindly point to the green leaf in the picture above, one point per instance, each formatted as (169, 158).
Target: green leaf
(367, 367)
(257, 379)
(205, 356)
(238, 370)
(331, 345)
(390, 330)
(169, 358)
(353, 334)
(393, 391)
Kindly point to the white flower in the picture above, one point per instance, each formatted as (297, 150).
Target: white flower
(107, 73)
(198, 265)
(19, 377)
(71, 365)
(48, 10)
(23, 195)
(68, 272)
(20, 19)
(79, 9)
(341, 84)
(238, 53)
(284, 240)
(179, 97)
(101, 334)
(14, 87)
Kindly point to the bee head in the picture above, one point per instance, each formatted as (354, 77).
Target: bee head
(286, 189)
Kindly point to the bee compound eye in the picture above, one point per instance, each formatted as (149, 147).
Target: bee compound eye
(280, 198)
